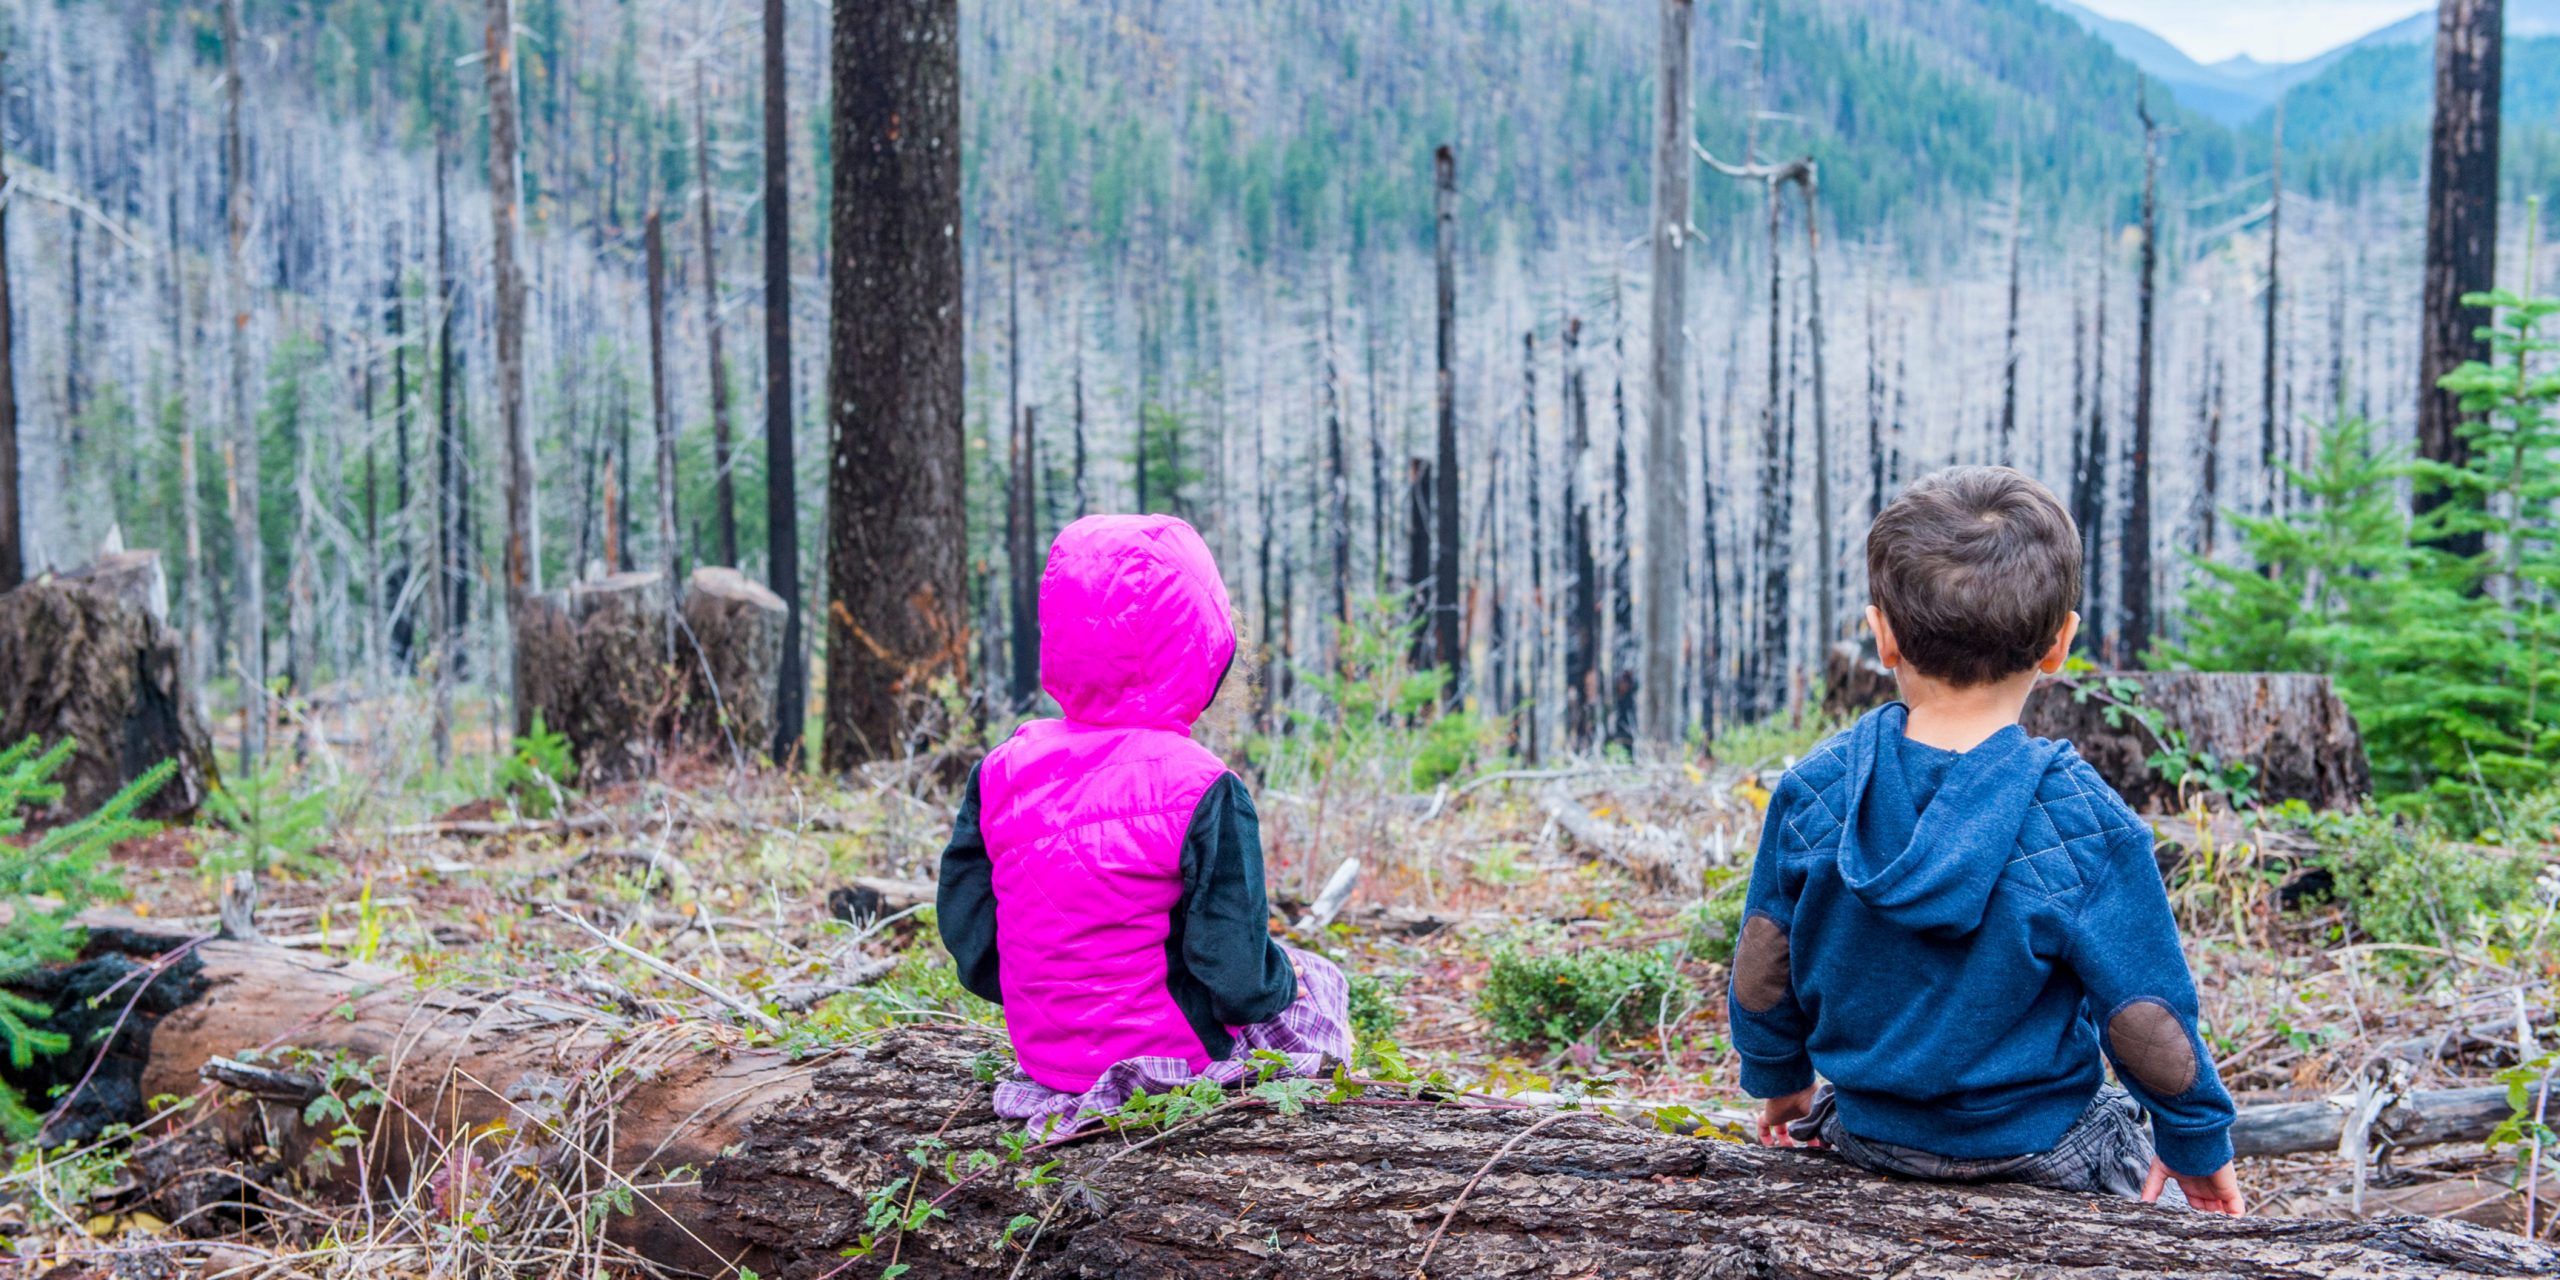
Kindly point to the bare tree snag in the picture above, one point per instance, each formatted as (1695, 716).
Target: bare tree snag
(90, 656)
(13, 561)
(523, 564)
(2138, 622)
(592, 661)
(2462, 230)
(732, 659)
(2270, 467)
(725, 484)
(1582, 565)
(788, 1153)
(897, 606)
(2290, 728)
(241, 459)
(1666, 491)
(662, 424)
(781, 478)
(1449, 650)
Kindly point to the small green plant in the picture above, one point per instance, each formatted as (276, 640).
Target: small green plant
(2527, 1128)
(2400, 882)
(538, 775)
(1715, 922)
(1374, 1014)
(1382, 718)
(270, 824)
(1536, 990)
(43, 887)
(1778, 740)
(2174, 756)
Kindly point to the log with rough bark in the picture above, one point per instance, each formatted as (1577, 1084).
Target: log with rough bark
(89, 656)
(2291, 729)
(732, 657)
(745, 1157)
(592, 663)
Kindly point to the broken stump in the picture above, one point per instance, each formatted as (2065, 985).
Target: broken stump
(2290, 728)
(89, 655)
(731, 653)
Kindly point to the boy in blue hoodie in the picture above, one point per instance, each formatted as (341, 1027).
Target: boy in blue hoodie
(1951, 921)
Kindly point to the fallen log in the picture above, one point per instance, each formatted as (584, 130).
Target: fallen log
(2291, 730)
(732, 1156)
(89, 655)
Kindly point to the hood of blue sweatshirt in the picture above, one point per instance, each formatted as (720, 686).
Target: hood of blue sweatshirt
(1930, 864)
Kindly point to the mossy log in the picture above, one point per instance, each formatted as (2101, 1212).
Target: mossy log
(749, 1158)
(89, 655)
(732, 657)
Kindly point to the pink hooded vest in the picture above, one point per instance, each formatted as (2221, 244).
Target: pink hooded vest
(1084, 815)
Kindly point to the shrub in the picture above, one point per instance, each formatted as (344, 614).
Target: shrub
(270, 824)
(1537, 990)
(2400, 882)
(1373, 1011)
(1715, 924)
(43, 886)
(538, 775)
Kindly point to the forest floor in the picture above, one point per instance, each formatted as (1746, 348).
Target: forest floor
(1558, 873)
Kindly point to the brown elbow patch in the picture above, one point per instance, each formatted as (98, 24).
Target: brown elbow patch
(2153, 1048)
(1760, 966)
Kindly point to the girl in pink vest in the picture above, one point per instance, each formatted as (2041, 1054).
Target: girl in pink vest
(1104, 879)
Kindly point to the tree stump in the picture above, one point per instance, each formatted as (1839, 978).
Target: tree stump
(89, 655)
(1853, 680)
(752, 1157)
(731, 654)
(595, 667)
(2290, 728)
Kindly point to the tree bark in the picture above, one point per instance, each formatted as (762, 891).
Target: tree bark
(781, 480)
(1826, 607)
(90, 656)
(2136, 588)
(1337, 479)
(2462, 233)
(593, 664)
(2089, 485)
(1582, 601)
(1666, 494)
(2008, 453)
(733, 662)
(662, 424)
(1023, 557)
(2270, 466)
(896, 601)
(787, 1154)
(13, 560)
(724, 478)
(2290, 728)
(523, 565)
(445, 582)
(1448, 646)
(248, 559)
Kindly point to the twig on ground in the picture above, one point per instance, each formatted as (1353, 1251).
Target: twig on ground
(740, 1007)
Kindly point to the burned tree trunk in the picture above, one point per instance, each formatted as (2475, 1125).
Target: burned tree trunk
(784, 1155)
(2089, 479)
(896, 600)
(523, 563)
(1448, 651)
(1666, 500)
(2290, 729)
(731, 660)
(781, 483)
(90, 656)
(2462, 232)
(725, 485)
(1023, 557)
(1582, 598)
(663, 426)
(241, 460)
(2270, 468)
(13, 562)
(592, 662)
(2137, 515)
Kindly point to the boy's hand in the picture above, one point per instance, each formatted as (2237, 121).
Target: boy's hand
(1777, 1112)
(2216, 1192)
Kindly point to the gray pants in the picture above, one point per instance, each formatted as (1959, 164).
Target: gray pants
(2107, 1151)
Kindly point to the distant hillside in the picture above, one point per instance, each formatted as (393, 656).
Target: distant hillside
(2364, 118)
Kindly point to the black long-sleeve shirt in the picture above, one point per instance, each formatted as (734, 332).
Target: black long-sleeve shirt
(1221, 964)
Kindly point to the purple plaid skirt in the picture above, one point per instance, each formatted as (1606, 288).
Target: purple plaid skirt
(1313, 1030)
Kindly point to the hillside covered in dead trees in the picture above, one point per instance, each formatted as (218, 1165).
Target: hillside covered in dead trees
(523, 518)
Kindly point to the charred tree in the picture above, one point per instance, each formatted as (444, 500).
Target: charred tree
(1666, 504)
(1447, 644)
(1022, 555)
(2008, 451)
(445, 582)
(2089, 478)
(1625, 649)
(1533, 478)
(2462, 232)
(1420, 490)
(1084, 499)
(2270, 465)
(725, 492)
(523, 565)
(896, 598)
(781, 485)
(250, 626)
(1337, 480)
(662, 424)
(2136, 589)
(13, 558)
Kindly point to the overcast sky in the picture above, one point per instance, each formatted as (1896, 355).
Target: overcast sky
(2268, 30)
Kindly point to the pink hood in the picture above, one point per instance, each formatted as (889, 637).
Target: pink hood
(1084, 816)
(1135, 628)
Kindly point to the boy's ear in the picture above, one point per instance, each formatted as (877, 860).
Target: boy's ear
(1888, 653)
(2060, 653)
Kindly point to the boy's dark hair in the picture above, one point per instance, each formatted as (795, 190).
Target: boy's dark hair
(1977, 568)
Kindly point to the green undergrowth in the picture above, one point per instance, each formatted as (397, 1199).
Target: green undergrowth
(2401, 881)
(1538, 990)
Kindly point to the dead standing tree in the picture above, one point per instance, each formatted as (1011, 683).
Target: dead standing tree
(13, 561)
(2462, 232)
(781, 486)
(2136, 563)
(896, 598)
(523, 563)
(1448, 647)
(1666, 504)
(241, 459)
(722, 462)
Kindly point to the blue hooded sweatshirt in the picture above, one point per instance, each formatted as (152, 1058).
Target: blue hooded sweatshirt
(1952, 940)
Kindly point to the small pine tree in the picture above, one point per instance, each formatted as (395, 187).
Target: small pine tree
(43, 886)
